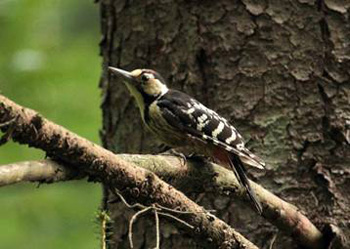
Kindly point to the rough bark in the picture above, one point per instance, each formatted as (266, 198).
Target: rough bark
(277, 69)
(188, 177)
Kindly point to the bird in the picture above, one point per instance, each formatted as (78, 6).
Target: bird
(181, 121)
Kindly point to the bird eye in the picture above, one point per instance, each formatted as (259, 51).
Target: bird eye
(144, 77)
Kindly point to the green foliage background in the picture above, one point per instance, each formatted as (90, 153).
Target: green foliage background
(49, 62)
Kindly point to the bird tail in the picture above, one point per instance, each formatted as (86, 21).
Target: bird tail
(247, 157)
(240, 172)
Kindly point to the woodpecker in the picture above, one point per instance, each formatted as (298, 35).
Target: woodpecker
(181, 121)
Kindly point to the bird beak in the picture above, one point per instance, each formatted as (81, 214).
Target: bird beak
(118, 71)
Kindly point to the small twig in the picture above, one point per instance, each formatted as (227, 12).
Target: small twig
(8, 134)
(315, 198)
(8, 122)
(157, 208)
(273, 240)
(156, 217)
(177, 219)
(131, 223)
(182, 212)
(136, 205)
(200, 197)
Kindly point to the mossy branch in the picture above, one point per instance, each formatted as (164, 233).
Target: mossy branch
(171, 169)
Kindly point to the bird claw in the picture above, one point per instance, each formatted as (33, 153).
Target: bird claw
(173, 152)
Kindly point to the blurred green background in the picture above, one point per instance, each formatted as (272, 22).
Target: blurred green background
(49, 62)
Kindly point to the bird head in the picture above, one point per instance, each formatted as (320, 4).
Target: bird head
(144, 83)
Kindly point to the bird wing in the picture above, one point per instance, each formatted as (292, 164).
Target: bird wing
(196, 120)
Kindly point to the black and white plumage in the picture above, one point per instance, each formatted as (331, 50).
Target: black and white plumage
(181, 121)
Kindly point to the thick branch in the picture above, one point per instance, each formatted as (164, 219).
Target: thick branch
(42, 171)
(140, 184)
(203, 177)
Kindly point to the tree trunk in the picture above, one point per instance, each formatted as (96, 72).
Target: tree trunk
(278, 70)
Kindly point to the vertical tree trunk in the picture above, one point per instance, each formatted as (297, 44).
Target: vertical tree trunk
(279, 70)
